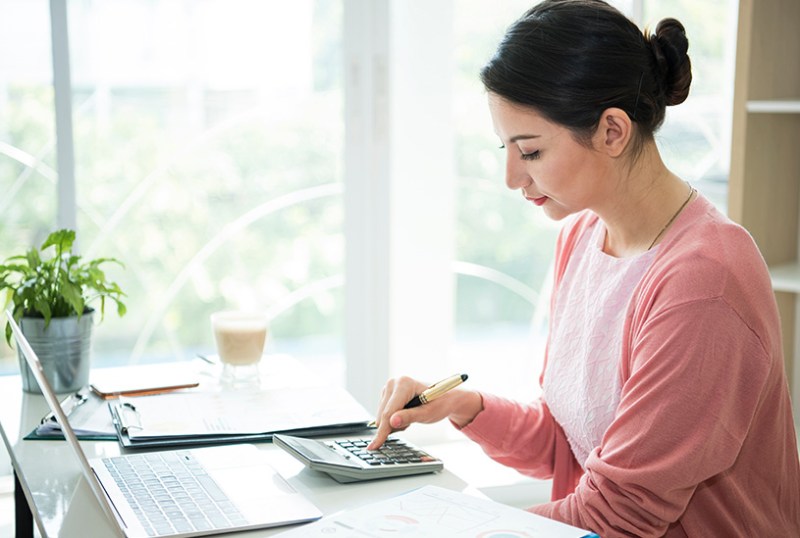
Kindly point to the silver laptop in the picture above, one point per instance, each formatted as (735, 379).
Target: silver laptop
(197, 492)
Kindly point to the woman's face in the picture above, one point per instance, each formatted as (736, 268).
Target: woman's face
(545, 162)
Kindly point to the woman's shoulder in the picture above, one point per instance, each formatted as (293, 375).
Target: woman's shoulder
(706, 257)
(706, 236)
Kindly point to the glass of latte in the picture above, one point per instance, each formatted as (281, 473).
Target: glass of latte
(239, 338)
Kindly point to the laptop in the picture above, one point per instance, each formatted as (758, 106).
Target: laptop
(194, 492)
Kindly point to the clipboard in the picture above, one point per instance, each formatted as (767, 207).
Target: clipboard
(112, 393)
(204, 418)
(88, 415)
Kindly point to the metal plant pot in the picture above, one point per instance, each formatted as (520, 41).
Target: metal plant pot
(63, 349)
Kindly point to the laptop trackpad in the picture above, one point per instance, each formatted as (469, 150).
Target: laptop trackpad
(258, 491)
(257, 481)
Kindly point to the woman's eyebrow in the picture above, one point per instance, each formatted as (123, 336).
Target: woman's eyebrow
(523, 137)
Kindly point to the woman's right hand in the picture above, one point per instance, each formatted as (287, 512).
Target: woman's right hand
(460, 406)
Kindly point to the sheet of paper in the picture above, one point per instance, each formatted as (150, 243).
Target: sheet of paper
(432, 511)
(241, 412)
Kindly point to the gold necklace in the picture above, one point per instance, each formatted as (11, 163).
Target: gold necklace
(678, 212)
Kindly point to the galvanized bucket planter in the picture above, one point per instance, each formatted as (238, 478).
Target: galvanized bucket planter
(63, 349)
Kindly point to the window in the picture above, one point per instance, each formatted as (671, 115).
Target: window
(209, 159)
(27, 125)
(695, 139)
(503, 248)
(208, 142)
(28, 174)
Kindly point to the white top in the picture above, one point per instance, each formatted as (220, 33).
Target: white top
(581, 380)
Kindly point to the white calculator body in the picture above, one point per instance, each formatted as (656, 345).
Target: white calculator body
(348, 460)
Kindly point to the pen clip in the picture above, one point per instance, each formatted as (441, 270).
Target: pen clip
(434, 385)
(439, 388)
(445, 381)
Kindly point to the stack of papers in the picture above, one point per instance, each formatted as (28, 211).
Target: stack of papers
(88, 411)
(189, 417)
(289, 400)
(434, 512)
(90, 419)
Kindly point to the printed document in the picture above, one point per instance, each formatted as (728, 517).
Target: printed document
(189, 414)
(434, 512)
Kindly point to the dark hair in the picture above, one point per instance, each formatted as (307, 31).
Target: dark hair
(572, 59)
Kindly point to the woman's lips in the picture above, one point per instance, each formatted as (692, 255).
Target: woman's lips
(538, 201)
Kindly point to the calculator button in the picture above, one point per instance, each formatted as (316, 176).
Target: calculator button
(393, 452)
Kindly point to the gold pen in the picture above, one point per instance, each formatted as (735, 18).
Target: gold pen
(434, 391)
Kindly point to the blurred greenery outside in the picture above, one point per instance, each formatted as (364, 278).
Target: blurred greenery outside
(162, 174)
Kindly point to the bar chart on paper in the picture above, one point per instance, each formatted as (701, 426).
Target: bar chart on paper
(434, 512)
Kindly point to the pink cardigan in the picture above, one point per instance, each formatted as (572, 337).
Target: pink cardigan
(703, 442)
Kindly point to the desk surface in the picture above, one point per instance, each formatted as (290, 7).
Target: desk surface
(63, 505)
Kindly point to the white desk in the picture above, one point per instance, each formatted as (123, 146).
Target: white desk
(51, 492)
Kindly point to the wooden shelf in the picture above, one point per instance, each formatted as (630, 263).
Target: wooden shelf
(775, 106)
(786, 277)
(764, 183)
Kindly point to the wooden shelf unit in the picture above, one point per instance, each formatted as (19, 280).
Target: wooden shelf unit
(786, 277)
(764, 185)
(775, 106)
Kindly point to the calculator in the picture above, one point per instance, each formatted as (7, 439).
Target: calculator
(348, 460)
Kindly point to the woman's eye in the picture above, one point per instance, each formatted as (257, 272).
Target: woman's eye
(526, 156)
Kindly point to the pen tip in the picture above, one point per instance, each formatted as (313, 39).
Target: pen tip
(464, 377)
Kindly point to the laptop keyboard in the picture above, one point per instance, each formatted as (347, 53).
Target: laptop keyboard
(171, 492)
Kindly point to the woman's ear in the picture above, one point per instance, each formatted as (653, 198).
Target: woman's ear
(614, 132)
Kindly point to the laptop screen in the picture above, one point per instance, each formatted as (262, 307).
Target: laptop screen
(52, 401)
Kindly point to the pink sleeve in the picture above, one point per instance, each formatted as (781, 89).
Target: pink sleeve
(521, 436)
(696, 379)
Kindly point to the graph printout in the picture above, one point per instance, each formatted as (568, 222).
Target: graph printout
(432, 511)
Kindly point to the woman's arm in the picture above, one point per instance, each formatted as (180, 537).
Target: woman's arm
(521, 436)
(697, 377)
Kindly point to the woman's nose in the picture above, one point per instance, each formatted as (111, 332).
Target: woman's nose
(517, 176)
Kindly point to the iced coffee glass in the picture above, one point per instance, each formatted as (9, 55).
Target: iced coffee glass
(239, 338)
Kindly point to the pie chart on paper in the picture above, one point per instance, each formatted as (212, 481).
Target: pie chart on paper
(501, 533)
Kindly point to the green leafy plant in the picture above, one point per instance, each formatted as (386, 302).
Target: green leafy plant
(60, 286)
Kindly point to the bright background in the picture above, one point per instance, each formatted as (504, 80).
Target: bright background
(303, 156)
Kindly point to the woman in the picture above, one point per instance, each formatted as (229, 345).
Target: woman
(665, 408)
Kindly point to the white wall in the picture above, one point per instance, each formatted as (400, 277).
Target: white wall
(399, 191)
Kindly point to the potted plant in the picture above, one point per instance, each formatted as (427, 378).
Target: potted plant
(51, 302)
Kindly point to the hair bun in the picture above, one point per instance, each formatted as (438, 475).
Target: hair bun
(669, 46)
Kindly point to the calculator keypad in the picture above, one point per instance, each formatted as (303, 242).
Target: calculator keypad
(393, 452)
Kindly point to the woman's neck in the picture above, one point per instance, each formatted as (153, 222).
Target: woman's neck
(647, 199)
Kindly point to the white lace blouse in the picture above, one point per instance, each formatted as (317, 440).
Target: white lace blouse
(581, 380)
